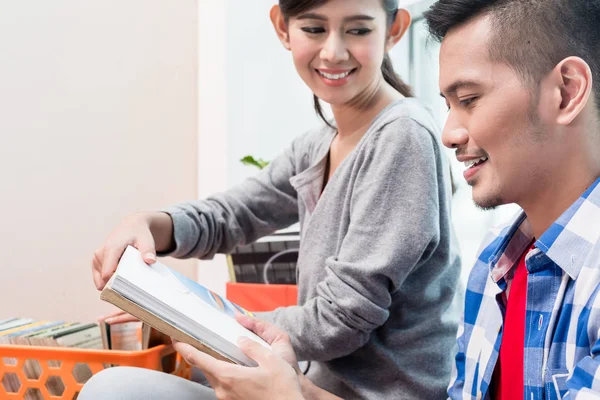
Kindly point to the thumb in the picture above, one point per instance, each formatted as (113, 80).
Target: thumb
(147, 249)
(195, 357)
(254, 350)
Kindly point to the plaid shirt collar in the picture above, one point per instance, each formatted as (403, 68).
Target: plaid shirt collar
(567, 242)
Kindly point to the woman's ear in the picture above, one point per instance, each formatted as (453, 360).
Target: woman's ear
(280, 26)
(398, 28)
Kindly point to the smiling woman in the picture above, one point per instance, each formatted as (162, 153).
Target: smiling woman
(377, 266)
(356, 25)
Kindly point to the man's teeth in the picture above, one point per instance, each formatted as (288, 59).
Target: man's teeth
(472, 163)
(335, 76)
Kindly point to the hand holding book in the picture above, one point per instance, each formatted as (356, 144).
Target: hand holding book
(178, 307)
(148, 232)
(276, 376)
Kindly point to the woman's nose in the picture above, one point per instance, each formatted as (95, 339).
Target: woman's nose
(334, 49)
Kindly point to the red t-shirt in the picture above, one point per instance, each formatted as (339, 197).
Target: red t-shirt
(508, 377)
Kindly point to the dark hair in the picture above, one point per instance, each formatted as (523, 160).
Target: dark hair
(291, 8)
(530, 36)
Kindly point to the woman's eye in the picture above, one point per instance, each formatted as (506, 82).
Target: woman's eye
(313, 30)
(359, 31)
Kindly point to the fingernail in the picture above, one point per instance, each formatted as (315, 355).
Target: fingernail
(109, 320)
(150, 256)
(244, 340)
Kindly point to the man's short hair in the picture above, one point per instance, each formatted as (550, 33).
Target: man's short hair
(531, 36)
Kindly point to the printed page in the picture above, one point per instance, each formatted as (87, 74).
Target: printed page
(184, 295)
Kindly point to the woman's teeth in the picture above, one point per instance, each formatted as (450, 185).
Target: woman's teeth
(334, 77)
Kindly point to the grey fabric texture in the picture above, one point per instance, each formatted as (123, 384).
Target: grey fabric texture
(378, 264)
(128, 383)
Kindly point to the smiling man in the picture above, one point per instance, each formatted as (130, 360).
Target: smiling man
(517, 76)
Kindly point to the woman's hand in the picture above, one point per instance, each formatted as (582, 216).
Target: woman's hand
(276, 376)
(145, 231)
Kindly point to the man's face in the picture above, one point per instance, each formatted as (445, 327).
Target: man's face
(493, 122)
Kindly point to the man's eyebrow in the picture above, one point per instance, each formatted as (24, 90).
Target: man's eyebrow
(358, 17)
(452, 89)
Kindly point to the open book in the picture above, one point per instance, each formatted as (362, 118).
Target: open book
(178, 307)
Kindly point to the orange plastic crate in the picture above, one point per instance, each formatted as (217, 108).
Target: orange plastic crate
(261, 297)
(65, 370)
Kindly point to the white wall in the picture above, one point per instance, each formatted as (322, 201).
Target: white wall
(251, 100)
(98, 119)
(268, 104)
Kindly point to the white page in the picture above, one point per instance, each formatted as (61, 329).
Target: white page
(157, 281)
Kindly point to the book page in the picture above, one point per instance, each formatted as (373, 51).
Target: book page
(184, 295)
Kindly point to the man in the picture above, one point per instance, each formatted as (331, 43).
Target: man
(524, 117)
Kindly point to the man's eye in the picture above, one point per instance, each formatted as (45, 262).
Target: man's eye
(313, 29)
(468, 102)
(359, 31)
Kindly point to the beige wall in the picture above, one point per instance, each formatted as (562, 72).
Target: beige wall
(97, 120)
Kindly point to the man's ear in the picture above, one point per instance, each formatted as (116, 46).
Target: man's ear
(573, 78)
(280, 26)
(398, 28)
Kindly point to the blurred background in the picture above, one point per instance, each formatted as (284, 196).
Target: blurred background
(110, 107)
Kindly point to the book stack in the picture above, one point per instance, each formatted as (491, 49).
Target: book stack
(130, 336)
(29, 332)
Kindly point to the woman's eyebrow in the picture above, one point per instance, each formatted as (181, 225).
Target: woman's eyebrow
(358, 17)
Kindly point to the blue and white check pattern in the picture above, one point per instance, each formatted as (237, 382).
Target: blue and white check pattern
(562, 330)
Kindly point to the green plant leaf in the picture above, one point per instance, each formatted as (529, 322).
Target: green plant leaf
(258, 163)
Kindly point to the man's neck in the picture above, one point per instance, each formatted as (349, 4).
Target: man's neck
(543, 207)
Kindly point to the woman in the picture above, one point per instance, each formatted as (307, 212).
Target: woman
(377, 266)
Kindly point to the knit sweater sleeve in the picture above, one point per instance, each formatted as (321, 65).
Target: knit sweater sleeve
(254, 208)
(394, 228)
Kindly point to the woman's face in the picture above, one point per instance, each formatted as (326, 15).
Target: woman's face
(338, 48)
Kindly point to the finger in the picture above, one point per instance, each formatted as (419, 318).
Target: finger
(120, 319)
(254, 350)
(186, 351)
(115, 314)
(265, 330)
(193, 356)
(246, 321)
(97, 271)
(147, 249)
(110, 261)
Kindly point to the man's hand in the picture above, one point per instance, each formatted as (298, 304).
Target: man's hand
(119, 317)
(274, 378)
(277, 338)
(277, 375)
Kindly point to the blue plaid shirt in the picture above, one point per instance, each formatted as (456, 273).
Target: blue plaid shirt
(562, 330)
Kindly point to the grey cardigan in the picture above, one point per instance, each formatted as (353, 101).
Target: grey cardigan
(378, 263)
